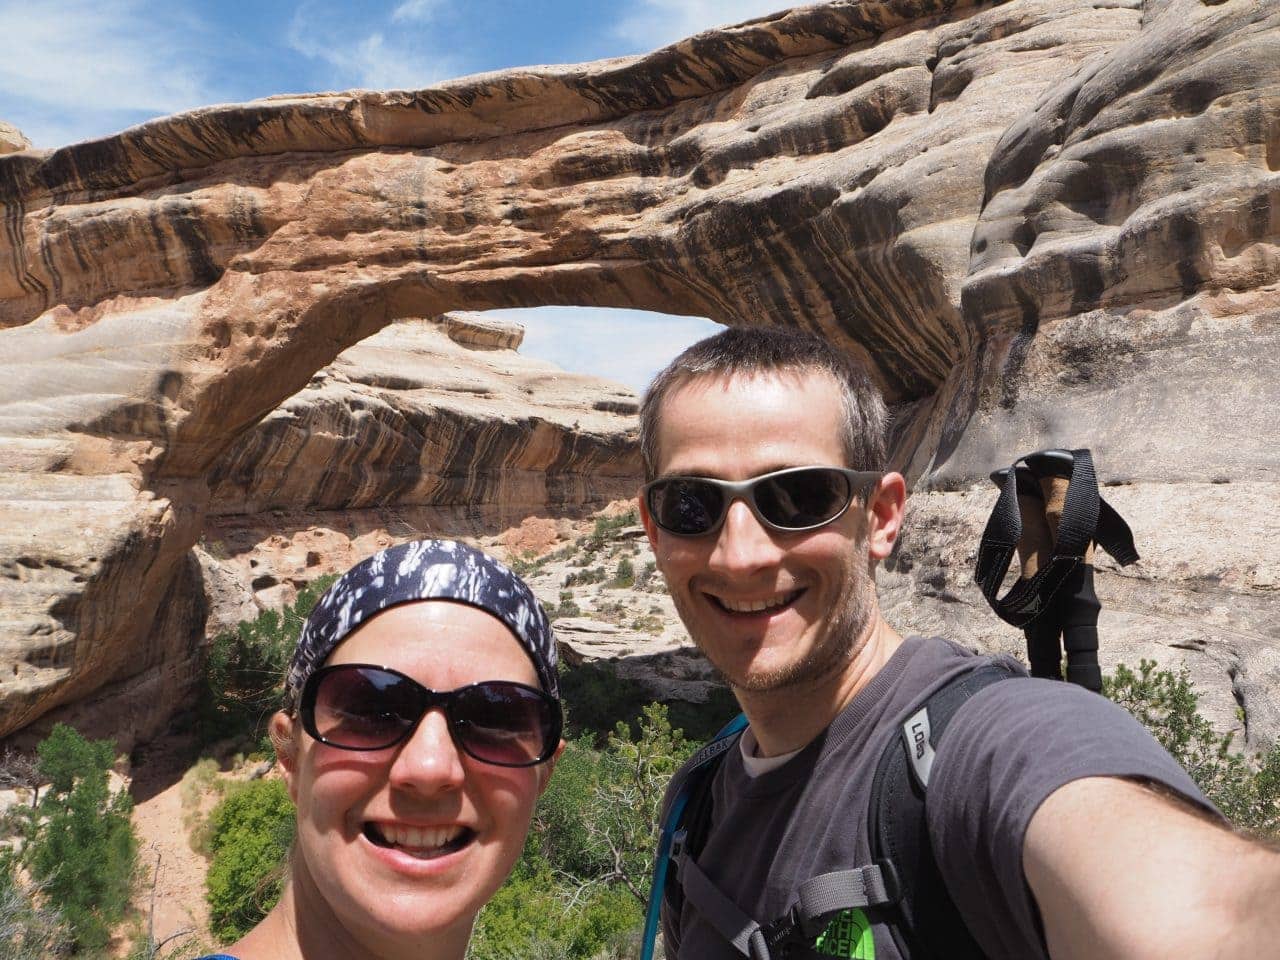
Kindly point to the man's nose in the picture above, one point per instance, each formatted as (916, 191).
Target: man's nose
(429, 761)
(743, 543)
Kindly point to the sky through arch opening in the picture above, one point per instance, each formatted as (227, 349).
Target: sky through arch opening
(623, 345)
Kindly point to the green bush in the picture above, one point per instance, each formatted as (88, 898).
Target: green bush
(30, 928)
(82, 851)
(244, 671)
(1245, 789)
(625, 575)
(250, 833)
(578, 892)
(586, 576)
(534, 915)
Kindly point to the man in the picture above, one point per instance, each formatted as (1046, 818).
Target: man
(1060, 828)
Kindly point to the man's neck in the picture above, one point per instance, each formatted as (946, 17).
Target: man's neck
(786, 719)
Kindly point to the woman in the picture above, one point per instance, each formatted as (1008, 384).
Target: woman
(420, 724)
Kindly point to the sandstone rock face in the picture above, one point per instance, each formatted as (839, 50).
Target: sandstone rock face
(12, 139)
(443, 414)
(1041, 223)
(429, 427)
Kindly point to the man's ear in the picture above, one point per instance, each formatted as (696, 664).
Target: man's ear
(650, 528)
(885, 507)
(282, 731)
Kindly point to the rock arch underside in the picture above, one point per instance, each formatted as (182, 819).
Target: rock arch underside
(1042, 222)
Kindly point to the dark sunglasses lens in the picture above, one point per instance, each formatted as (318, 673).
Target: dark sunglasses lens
(803, 498)
(505, 723)
(364, 708)
(685, 506)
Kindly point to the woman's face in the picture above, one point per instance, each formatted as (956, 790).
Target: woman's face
(412, 840)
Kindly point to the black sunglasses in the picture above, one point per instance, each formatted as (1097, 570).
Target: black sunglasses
(359, 706)
(791, 500)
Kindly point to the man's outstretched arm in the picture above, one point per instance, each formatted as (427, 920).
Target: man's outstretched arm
(1120, 871)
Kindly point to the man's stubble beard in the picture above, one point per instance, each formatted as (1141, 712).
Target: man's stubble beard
(840, 644)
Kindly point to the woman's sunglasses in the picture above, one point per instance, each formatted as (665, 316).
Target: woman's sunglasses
(358, 706)
(791, 500)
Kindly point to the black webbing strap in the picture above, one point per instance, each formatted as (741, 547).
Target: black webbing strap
(1086, 518)
(818, 899)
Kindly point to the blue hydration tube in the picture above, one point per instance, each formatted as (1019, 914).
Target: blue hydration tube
(675, 813)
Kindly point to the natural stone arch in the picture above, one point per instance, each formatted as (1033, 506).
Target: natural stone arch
(911, 177)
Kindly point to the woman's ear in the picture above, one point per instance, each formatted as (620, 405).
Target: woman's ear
(546, 769)
(281, 729)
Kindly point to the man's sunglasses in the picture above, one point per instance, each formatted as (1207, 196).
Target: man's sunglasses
(791, 500)
(358, 706)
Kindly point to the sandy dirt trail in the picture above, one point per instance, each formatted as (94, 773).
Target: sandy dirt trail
(157, 817)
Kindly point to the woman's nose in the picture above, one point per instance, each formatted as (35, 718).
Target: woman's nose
(429, 761)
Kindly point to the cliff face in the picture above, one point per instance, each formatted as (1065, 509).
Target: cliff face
(1042, 223)
(442, 413)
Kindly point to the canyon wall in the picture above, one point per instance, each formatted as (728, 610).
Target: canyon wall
(1040, 222)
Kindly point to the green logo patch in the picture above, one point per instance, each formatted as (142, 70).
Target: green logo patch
(848, 935)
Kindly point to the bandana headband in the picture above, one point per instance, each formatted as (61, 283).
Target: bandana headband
(422, 570)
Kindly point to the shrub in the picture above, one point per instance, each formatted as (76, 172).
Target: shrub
(578, 892)
(82, 851)
(251, 831)
(534, 916)
(625, 575)
(30, 928)
(569, 608)
(647, 624)
(244, 671)
(606, 528)
(1246, 790)
(585, 576)
(647, 579)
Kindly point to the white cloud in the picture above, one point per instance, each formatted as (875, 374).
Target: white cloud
(656, 23)
(627, 346)
(376, 60)
(73, 69)
(416, 10)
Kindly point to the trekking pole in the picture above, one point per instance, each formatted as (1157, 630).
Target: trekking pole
(1076, 608)
(1035, 549)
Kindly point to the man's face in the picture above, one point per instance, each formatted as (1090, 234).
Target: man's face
(769, 609)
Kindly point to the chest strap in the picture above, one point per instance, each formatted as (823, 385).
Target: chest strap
(818, 899)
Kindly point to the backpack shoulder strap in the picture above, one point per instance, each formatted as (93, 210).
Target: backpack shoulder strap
(688, 807)
(925, 922)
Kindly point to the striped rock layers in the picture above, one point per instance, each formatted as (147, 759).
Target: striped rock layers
(1040, 222)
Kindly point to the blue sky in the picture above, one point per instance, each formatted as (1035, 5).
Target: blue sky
(76, 69)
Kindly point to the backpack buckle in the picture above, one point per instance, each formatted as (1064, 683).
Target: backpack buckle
(678, 841)
(784, 928)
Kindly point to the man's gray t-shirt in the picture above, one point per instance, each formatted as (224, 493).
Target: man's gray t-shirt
(1006, 750)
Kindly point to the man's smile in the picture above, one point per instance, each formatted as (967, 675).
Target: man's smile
(769, 604)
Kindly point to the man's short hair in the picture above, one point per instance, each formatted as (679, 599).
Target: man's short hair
(755, 350)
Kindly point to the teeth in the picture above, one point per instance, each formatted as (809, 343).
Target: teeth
(419, 838)
(757, 606)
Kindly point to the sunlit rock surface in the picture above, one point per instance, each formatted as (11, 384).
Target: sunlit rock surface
(1042, 223)
(12, 139)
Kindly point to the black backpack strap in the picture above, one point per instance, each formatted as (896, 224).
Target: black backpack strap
(924, 921)
(1086, 518)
